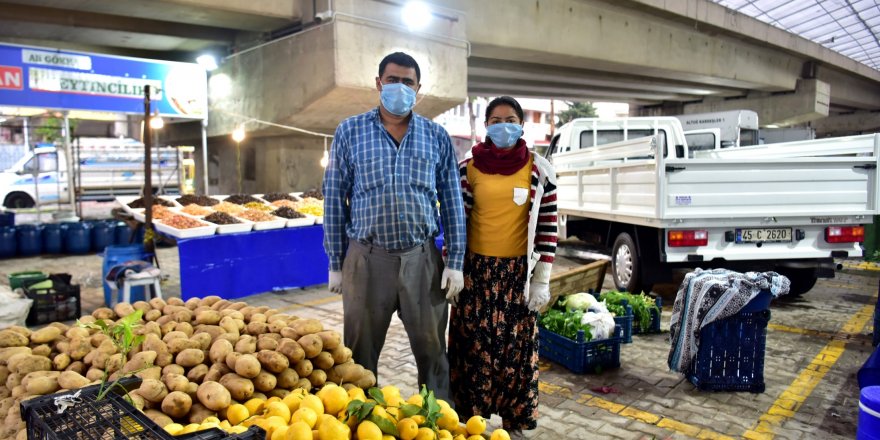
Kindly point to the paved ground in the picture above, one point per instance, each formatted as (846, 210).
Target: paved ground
(815, 346)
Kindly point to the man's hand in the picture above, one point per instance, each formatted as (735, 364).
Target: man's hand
(539, 295)
(335, 281)
(452, 281)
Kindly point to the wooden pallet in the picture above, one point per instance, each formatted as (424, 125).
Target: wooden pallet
(583, 279)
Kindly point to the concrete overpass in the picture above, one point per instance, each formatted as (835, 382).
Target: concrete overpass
(309, 64)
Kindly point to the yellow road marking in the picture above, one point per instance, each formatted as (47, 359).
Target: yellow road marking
(806, 331)
(312, 303)
(790, 401)
(864, 265)
(635, 413)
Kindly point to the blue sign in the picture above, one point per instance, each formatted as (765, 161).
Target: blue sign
(64, 80)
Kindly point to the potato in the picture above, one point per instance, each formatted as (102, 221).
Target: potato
(220, 305)
(303, 383)
(277, 326)
(270, 344)
(98, 338)
(229, 325)
(318, 378)
(42, 385)
(4, 373)
(210, 300)
(28, 363)
(311, 344)
(152, 328)
(214, 396)
(71, 380)
(152, 315)
(204, 340)
(231, 359)
(45, 335)
(192, 303)
(10, 338)
(247, 366)
(175, 301)
(208, 317)
(257, 328)
(173, 335)
(77, 366)
(123, 309)
(307, 326)
(184, 327)
(178, 345)
(183, 314)
(232, 338)
(104, 313)
(216, 372)
(303, 368)
(176, 404)
(197, 374)
(158, 417)
(173, 369)
(259, 318)
(142, 306)
(349, 372)
(190, 357)
(8, 352)
(136, 400)
(341, 354)
(219, 350)
(265, 381)
(79, 348)
(279, 393)
(330, 339)
(273, 361)
(150, 373)
(157, 303)
(114, 363)
(168, 326)
(76, 332)
(247, 311)
(164, 320)
(366, 381)
(246, 345)
(198, 413)
(240, 388)
(175, 382)
(42, 350)
(95, 374)
(213, 330)
(153, 390)
(139, 361)
(323, 361)
(287, 378)
(291, 349)
(60, 362)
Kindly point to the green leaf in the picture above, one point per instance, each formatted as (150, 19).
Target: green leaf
(365, 410)
(376, 394)
(353, 408)
(132, 319)
(409, 410)
(385, 425)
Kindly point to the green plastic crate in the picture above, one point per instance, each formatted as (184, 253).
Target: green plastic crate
(20, 279)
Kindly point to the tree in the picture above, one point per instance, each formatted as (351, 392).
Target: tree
(576, 110)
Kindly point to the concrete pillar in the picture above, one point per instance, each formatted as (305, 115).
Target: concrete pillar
(808, 102)
(853, 123)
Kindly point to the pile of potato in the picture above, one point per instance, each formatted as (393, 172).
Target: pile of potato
(198, 358)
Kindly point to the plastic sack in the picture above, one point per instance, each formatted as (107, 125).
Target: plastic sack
(13, 309)
(601, 324)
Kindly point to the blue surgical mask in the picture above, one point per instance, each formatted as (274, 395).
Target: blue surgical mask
(504, 134)
(397, 98)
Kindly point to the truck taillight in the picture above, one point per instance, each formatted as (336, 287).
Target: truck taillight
(844, 234)
(688, 238)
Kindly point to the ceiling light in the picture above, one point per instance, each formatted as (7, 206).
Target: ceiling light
(238, 133)
(208, 61)
(416, 15)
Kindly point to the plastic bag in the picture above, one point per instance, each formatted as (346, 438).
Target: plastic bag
(602, 324)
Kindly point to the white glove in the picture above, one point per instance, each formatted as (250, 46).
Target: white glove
(539, 295)
(335, 281)
(453, 282)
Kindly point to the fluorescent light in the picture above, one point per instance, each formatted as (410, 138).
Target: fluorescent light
(325, 160)
(208, 61)
(416, 15)
(156, 121)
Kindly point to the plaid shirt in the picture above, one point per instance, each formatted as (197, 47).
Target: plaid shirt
(378, 193)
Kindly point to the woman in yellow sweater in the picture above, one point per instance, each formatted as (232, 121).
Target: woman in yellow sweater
(509, 194)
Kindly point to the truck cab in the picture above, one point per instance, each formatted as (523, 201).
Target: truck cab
(17, 188)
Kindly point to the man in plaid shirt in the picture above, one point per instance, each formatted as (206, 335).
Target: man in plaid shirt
(388, 169)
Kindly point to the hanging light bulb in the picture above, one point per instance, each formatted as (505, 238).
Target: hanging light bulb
(325, 159)
(156, 121)
(238, 133)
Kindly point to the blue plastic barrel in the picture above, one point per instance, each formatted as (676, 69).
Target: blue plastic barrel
(7, 219)
(29, 241)
(52, 243)
(121, 233)
(8, 245)
(103, 234)
(114, 255)
(77, 239)
(869, 414)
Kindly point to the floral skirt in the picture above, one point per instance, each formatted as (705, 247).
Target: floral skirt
(493, 343)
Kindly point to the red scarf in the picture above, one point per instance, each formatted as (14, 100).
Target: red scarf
(490, 159)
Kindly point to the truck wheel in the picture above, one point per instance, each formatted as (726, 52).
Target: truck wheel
(625, 264)
(18, 200)
(802, 280)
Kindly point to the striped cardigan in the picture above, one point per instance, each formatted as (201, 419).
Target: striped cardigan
(542, 233)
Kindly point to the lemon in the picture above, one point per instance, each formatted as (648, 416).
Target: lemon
(298, 431)
(211, 420)
(323, 418)
(293, 400)
(334, 398)
(208, 425)
(273, 399)
(459, 430)
(280, 433)
(237, 413)
(459, 437)
(192, 427)
(499, 434)
(255, 406)
(368, 430)
(383, 413)
(448, 419)
(393, 412)
(312, 401)
(225, 425)
(444, 435)
(426, 434)
(420, 420)
(390, 390)
(475, 437)
(334, 430)
(277, 409)
(357, 394)
(395, 401)
(407, 428)
(416, 399)
(443, 404)
(237, 430)
(173, 428)
(476, 425)
(387, 437)
(307, 415)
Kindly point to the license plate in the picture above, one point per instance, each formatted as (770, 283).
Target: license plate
(763, 235)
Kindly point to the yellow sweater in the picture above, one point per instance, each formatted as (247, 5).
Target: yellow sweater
(499, 220)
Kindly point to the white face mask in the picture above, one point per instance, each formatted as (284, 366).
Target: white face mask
(504, 134)
(397, 98)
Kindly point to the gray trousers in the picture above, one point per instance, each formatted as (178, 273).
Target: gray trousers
(376, 283)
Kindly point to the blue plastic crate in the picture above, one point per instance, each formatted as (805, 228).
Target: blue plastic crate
(579, 356)
(626, 324)
(731, 353)
(654, 327)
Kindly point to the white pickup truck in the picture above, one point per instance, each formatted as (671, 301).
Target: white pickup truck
(658, 206)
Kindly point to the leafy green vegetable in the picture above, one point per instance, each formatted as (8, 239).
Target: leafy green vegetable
(641, 305)
(122, 335)
(565, 323)
(364, 411)
(578, 301)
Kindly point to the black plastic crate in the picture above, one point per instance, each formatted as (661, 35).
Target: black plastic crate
(110, 418)
(61, 302)
(253, 433)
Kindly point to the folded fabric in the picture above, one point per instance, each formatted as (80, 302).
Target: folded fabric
(706, 296)
(130, 269)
